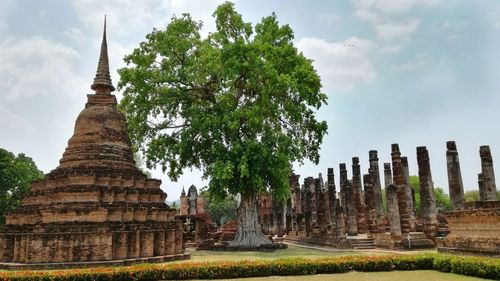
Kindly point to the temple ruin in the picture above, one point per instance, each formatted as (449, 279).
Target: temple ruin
(355, 216)
(195, 220)
(96, 207)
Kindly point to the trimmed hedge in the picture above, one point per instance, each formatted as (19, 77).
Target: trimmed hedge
(472, 266)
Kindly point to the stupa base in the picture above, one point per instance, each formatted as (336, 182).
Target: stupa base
(61, 265)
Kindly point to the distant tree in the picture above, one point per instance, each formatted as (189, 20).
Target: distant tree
(16, 175)
(473, 195)
(174, 205)
(415, 185)
(442, 199)
(221, 210)
(240, 105)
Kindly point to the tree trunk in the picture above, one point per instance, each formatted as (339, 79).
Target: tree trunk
(248, 233)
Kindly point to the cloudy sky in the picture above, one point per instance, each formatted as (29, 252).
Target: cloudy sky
(413, 72)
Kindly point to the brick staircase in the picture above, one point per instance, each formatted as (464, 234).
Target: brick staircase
(417, 240)
(361, 242)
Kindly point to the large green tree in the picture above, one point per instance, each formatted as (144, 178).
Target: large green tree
(16, 175)
(239, 104)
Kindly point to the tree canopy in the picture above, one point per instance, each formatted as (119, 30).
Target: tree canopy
(239, 104)
(16, 175)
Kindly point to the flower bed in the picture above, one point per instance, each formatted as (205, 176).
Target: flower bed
(471, 266)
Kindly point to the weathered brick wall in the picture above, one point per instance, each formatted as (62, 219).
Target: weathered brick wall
(474, 230)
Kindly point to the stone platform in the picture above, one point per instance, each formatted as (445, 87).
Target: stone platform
(65, 265)
(474, 230)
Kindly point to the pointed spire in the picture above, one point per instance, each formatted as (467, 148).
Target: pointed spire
(183, 192)
(102, 81)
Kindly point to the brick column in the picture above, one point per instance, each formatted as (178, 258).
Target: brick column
(332, 196)
(339, 220)
(359, 201)
(371, 209)
(400, 183)
(427, 201)
(455, 185)
(409, 194)
(342, 180)
(489, 190)
(393, 212)
(377, 187)
(351, 218)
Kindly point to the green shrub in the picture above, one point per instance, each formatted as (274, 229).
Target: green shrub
(472, 266)
(442, 263)
(478, 267)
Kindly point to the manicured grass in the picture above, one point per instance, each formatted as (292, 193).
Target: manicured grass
(414, 275)
(291, 252)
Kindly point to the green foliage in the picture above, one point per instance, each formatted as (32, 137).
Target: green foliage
(220, 209)
(16, 175)
(239, 105)
(471, 266)
(415, 185)
(472, 195)
(443, 201)
(174, 205)
(419, 262)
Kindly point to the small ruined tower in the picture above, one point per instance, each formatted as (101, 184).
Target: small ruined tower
(377, 188)
(359, 201)
(488, 192)
(400, 183)
(184, 204)
(456, 187)
(427, 200)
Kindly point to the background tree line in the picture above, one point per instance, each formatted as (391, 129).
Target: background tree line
(16, 175)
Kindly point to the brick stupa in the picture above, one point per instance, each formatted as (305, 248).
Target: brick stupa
(96, 205)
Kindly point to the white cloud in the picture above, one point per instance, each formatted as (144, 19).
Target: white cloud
(393, 7)
(418, 61)
(127, 16)
(329, 18)
(11, 120)
(394, 48)
(74, 34)
(389, 31)
(390, 20)
(124, 15)
(341, 65)
(36, 65)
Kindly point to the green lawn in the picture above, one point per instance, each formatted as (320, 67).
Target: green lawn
(292, 251)
(418, 275)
